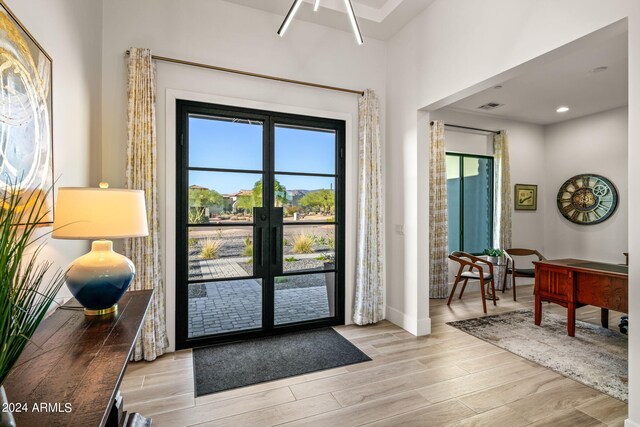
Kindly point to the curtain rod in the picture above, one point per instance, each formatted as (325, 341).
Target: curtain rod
(247, 73)
(470, 128)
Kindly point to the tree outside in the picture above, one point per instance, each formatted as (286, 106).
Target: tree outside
(323, 200)
(254, 199)
(201, 202)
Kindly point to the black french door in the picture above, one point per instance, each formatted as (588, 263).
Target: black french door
(260, 223)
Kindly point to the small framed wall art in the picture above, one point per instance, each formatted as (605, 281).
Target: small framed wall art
(526, 197)
(26, 145)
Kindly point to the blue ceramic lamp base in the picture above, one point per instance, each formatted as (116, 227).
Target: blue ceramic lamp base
(100, 278)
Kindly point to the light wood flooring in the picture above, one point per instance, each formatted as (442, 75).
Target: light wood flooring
(446, 379)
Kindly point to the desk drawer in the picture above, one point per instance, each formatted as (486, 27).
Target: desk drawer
(602, 291)
(552, 283)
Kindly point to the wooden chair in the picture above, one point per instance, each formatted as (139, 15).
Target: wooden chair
(519, 272)
(472, 263)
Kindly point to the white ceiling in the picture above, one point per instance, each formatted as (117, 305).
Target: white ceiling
(569, 81)
(379, 19)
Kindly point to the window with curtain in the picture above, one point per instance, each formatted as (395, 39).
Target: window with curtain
(470, 202)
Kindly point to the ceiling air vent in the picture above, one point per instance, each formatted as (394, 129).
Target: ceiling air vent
(490, 106)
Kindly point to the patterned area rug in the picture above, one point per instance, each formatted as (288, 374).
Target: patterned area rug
(596, 357)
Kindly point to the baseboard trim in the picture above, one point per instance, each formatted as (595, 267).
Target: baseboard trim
(629, 423)
(417, 327)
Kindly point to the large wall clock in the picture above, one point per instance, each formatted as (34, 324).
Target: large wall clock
(587, 199)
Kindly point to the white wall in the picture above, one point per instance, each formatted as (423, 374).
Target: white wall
(594, 144)
(70, 31)
(453, 49)
(220, 33)
(527, 161)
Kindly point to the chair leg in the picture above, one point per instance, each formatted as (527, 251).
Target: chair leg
(514, 289)
(504, 278)
(453, 290)
(484, 302)
(493, 290)
(464, 286)
(455, 284)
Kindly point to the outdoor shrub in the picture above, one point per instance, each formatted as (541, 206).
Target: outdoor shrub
(281, 280)
(193, 242)
(330, 219)
(211, 248)
(331, 242)
(322, 257)
(290, 210)
(302, 244)
(197, 216)
(248, 247)
(290, 259)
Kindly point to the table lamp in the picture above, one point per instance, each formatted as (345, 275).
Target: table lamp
(100, 278)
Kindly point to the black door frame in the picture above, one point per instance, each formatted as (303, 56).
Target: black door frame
(184, 108)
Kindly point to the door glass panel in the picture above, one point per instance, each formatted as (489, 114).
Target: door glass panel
(453, 199)
(305, 150)
(225, 306)
(304, 297)
(220, 252)
(478, 206)
(308, 247)
(231, 166)
(223, 197)
(225, 143)
(306, 198)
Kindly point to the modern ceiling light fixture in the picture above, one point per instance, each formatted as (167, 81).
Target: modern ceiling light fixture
(354, 21)
(296, 5)
(289, 17)
(562, 109)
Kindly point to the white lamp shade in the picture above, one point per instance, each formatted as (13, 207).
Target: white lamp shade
(99, 213)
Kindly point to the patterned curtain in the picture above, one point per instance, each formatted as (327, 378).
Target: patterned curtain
(438, 222)
(141, 175)
(369, 298)
(502, 191)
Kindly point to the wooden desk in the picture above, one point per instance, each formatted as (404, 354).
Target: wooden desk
(75, 364)
(574, 283)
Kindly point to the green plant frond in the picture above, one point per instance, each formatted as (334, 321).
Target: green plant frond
(26, 293)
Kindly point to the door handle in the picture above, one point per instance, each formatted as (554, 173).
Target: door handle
(260, 219)
(257, 250)
(277, 250)
(277, 239)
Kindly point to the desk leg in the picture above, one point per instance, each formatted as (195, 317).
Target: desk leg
(604, 317)
(538, 310)
(571, 320)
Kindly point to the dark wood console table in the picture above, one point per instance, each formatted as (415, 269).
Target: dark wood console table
(574, 283)
(73, 368)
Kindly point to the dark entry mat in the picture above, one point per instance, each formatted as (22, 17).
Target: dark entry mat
(603, 266)
(239, 364)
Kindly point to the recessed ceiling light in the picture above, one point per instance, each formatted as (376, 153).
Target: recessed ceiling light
(562, 109)
(600, 69)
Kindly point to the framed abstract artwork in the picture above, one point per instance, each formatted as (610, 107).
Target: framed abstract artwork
(26, 144)
(526, 197)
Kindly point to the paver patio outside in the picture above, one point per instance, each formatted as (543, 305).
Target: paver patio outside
(237, 305)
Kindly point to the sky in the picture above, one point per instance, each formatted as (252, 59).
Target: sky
(229, 145)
